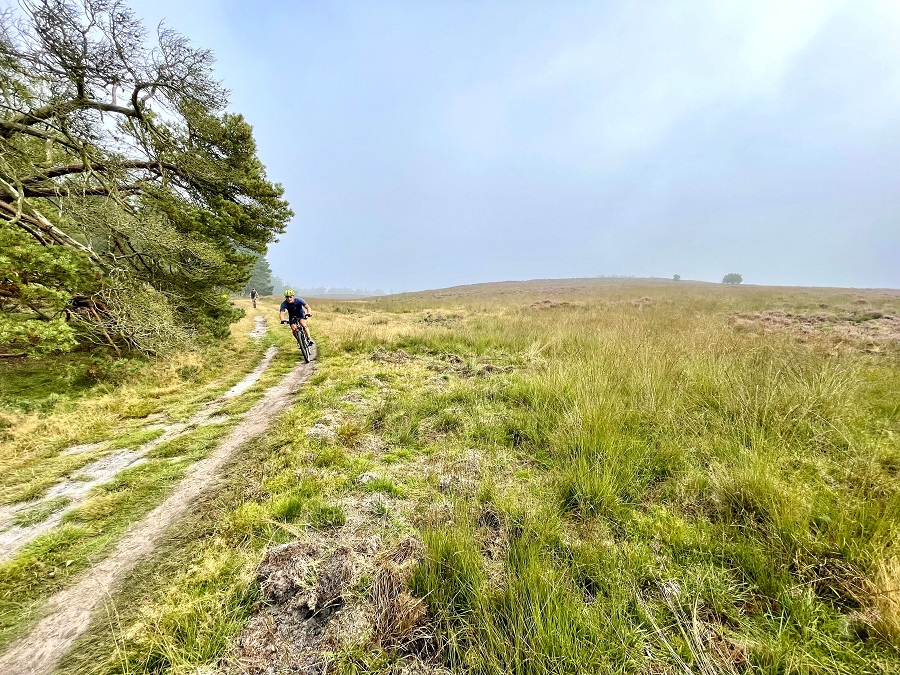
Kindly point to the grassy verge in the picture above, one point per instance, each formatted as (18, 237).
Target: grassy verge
(33, 436)
(88, 531)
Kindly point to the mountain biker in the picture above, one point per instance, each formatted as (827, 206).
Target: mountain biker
(253, 296)
(297, 311)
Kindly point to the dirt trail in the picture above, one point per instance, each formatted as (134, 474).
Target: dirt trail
(260, 327)
(252, 377)
(109, 466)
(68, 613)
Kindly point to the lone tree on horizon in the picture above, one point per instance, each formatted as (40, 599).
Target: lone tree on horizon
(732, 278)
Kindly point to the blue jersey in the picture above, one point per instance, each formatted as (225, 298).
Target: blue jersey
(294, 309)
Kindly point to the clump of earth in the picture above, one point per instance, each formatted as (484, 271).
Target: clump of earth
(319, 596)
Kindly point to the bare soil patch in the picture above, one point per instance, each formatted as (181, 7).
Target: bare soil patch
(549, 304)
(75, 490)
(328, 592)
(445, 362)
(260, 327)
(382, 355)
(252, 377)
(869, 327)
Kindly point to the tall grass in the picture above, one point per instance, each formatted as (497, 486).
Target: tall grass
(768, 452)
(633, 485)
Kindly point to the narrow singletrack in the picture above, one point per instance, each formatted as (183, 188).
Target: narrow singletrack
(108, 467)
(260, 327)
(68, 613)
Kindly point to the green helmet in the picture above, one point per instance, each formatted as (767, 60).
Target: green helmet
(288, 292)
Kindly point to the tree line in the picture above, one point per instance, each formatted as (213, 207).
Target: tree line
(130, 199)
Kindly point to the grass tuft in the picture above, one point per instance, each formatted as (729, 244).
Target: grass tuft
(383, 485)
(324, 516)
(40, 512)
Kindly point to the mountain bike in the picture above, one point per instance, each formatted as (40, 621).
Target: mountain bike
(302, 340)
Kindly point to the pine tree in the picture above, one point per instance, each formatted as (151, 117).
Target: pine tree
(120, 164)
(260, 278)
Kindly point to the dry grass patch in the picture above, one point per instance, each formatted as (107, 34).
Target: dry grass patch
(884, 588)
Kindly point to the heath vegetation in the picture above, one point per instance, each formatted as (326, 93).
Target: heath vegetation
(602, 476)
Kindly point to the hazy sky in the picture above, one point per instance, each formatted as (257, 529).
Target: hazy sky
(426, 144)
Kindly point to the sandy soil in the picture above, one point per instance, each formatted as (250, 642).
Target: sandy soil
(252, 377)
(67, 614)
(260, 328)
(107, 467)
(76, 491)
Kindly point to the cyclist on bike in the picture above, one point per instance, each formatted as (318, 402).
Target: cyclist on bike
(297, 311)
(253, 296)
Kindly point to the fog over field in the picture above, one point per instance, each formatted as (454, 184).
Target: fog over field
(431, 144)
(565, 440)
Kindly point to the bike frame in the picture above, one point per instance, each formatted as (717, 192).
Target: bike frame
(296, 325)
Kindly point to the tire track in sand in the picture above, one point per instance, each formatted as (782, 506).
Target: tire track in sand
(67, 614)
(109, 466)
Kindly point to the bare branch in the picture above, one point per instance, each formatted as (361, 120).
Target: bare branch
(46, 227)
(32, 117)
(12, 216)
(68, 169)
(83, 191)
(37, 133)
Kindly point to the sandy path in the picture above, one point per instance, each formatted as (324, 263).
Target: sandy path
(68, 613)
(108, 467)
(260, 327)
(252, 377)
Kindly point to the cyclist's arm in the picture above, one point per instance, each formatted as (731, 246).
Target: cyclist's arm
(306, 308)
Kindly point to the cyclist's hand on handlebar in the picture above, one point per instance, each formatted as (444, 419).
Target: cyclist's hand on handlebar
(284, 322)
(309, 315)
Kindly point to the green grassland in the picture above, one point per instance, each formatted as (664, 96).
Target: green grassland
(42, 419)
(607, 475)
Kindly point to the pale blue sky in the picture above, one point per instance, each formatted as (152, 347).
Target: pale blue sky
(425, 144)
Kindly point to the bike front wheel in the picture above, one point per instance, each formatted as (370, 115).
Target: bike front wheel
(304, 344)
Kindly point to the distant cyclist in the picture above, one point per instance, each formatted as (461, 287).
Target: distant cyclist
(297, 311)
(253, 296)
